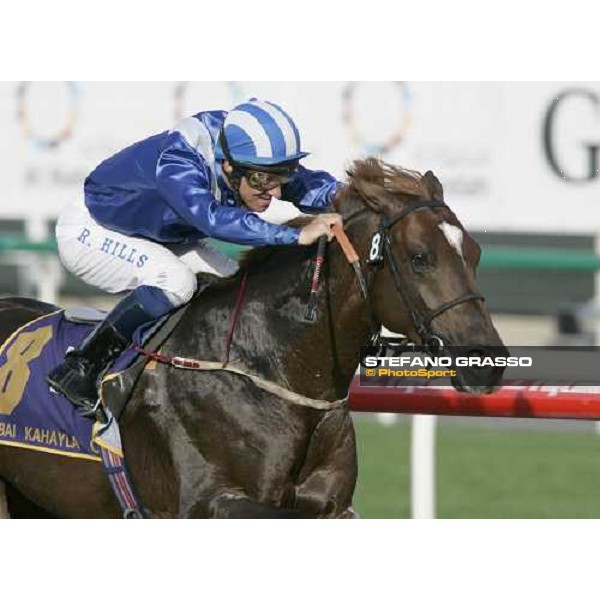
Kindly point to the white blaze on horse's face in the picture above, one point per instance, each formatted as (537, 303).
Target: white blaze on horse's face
(454, 235)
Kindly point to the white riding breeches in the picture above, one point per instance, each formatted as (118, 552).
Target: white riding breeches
(117, 263)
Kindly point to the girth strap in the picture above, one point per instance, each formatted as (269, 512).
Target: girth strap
(192, 364)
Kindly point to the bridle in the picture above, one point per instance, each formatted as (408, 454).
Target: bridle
(381, 250)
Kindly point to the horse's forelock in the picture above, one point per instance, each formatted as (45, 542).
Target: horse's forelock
(374, 179)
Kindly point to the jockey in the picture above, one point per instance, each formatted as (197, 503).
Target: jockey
(147, 211)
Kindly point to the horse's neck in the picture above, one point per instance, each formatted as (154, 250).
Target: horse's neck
(322, 362)
(271, 337)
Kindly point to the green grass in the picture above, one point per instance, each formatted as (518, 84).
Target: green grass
(483, 473)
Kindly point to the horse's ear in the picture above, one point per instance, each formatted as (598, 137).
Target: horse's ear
(434, 187)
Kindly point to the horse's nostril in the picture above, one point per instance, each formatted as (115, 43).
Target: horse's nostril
(476, 353)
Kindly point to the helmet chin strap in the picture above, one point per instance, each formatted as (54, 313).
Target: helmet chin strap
(235, 177)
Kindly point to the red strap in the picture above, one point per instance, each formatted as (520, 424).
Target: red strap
(190, 363)
(234, 318)
(347, 247)
(157, 356)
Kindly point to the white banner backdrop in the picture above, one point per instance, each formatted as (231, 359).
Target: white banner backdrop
(512, 156)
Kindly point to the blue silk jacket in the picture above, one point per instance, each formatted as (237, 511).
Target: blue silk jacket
(169, 188)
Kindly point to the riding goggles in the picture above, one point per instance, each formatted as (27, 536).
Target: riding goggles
(264, 181)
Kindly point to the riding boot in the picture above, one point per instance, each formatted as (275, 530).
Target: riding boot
(78, 376)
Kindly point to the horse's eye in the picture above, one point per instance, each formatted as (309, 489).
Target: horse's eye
(420, 262)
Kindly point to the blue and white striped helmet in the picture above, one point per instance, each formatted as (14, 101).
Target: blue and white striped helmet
(260, 133)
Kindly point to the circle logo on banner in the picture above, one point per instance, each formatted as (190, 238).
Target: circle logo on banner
(369, 118)
(212, 98)
(37, 112)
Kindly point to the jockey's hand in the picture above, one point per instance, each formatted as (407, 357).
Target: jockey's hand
(320, 225)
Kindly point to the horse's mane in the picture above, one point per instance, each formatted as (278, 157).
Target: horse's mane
(372, 178)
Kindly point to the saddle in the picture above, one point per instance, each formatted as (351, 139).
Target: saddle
(116, 389)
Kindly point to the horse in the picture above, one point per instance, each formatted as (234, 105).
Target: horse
(214, 443)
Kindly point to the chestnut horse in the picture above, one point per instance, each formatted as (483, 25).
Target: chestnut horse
(215, 444)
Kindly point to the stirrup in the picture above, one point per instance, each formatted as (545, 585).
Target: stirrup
(97, 412)
(94, 411)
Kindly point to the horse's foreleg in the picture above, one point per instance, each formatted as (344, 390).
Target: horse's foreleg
(4, 514)
(326, 483)
(238, 507)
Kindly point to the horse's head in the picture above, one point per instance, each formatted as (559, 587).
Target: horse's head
(420, 263)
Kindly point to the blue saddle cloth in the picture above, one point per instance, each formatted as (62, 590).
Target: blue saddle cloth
(30, 415)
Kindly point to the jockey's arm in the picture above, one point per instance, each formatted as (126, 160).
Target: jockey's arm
(311, 191)
(183, 180)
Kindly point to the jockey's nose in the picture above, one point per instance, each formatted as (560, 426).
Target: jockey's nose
(276, 192)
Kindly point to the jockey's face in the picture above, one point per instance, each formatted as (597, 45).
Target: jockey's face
(254, 200)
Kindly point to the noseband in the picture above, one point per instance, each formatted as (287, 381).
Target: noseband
(381, 250)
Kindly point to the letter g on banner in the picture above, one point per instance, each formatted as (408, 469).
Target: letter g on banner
(551, 146)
